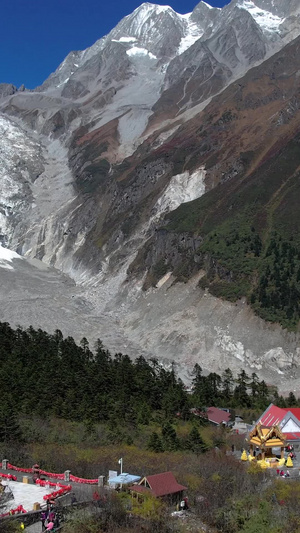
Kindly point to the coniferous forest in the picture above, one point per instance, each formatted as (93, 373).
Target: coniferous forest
(51, 376)
(67, 406)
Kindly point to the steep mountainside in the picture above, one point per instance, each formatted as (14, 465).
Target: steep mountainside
(159, 170)
(245, 230)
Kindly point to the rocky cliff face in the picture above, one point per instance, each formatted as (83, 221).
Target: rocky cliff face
(126, 168)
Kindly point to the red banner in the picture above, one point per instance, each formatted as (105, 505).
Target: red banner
(53, 475)
(82, 480)
(45, 483)
(9, 476)
(62, 489)
(12, 467)
(57, 493)
(17, 510)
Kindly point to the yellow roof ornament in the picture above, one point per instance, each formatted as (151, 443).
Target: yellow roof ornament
(244, 456)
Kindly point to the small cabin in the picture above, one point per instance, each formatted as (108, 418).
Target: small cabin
(162, 485)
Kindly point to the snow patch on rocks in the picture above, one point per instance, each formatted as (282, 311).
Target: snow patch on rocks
(182, 188)
(6, 257)
(20, 163)
(266, 20)
(125, 40)
(208, 5)
(139, 51)
(193, 33)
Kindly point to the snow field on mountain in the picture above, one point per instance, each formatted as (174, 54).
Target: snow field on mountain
(266, 20)
(208, 5)
(193, 33)
(15, 144)
(124, 40)
(6, 257)
(144, 13)
(17, 154)
(138, 51)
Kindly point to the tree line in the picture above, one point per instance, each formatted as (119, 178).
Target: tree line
(47, 375)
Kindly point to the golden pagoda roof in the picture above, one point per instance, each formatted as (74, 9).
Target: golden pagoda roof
(266, 436)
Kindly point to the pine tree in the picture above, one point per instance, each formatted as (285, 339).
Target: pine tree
(143, 413)
(154, 443)
(195, 441)
(212, 389)
(254, 385)
(198, 386)
(169, 438)
(262, 395)
(102, 369)
(9, 427)
(291, 400)
(279, 400)
(227, 384)
(240, 392)
(84, 343)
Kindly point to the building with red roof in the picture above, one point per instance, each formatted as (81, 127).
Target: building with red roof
(272, 416)
(218, 416)
(162, 485)
(295, 411)
(287, 419)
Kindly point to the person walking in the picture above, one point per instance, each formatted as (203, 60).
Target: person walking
(43, 520)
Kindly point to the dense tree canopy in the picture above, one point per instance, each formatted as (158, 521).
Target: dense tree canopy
(49, 375)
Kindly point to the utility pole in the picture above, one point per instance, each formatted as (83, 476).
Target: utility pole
(121, 464)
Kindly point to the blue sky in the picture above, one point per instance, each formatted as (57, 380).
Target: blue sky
(36, 35)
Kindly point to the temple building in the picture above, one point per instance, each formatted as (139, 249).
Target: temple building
(287, 422)
(265, 441)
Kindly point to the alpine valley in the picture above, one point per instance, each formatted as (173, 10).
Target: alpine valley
(150, 191)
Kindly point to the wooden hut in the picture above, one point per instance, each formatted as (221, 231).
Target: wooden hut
(162, 485)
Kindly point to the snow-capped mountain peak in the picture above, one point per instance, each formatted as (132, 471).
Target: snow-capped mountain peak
(208, 5)
(158, 29)
(144, 18)
(148, 7)
(267, 20)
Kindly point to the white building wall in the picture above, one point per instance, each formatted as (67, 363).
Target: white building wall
(290, 426)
